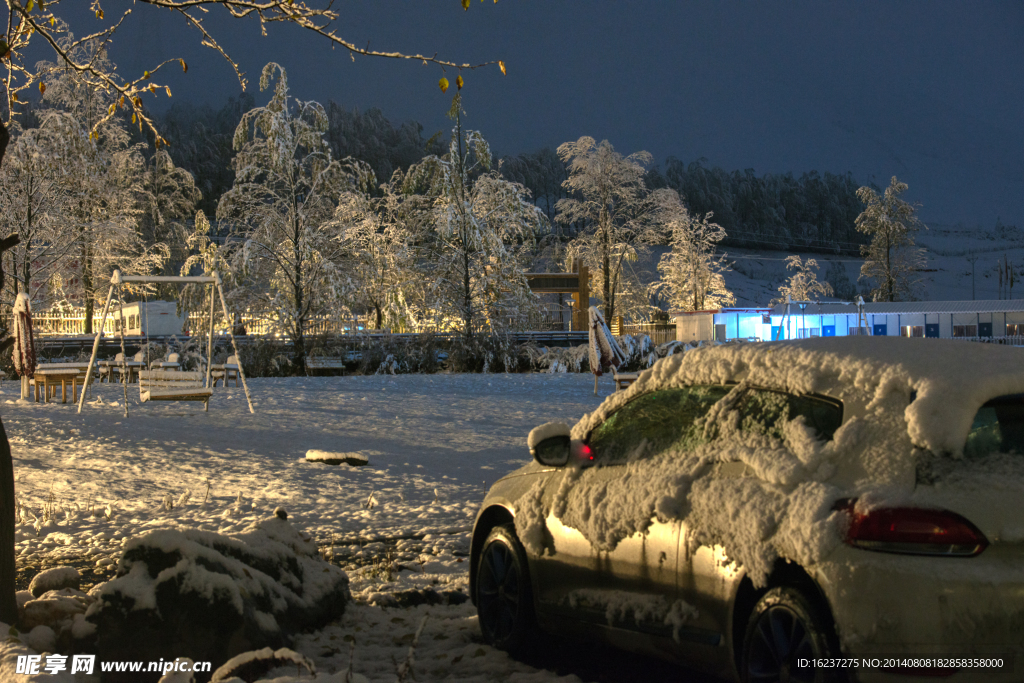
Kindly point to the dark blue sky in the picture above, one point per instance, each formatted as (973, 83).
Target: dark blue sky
(930, 91)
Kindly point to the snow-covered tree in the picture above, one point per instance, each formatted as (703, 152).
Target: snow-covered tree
(169, 194)
(104, 180)
(609, 198)
(281, 207)
(891, 260)
(45, 24)
(803, 284)
(378, 250)
(691, 273)
(481, 228)
(34, 194)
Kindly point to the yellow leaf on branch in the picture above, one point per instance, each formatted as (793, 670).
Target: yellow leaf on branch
(42, 87)
(184, 66)
(465, 4)
(501, 64)
(444, 84)
(459, 82)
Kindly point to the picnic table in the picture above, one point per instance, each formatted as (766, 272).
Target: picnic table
(48, 375)
(225, 371)
(107, 368)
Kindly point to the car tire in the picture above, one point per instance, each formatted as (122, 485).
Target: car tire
(785, 627)
(503, 597)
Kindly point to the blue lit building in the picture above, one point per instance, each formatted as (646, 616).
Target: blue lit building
(799, 320)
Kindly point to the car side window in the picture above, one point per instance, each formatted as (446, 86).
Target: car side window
(653, 423)
(766, 411)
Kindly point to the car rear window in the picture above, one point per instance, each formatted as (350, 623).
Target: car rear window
(998, 427)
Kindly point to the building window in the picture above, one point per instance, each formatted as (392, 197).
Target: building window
(806, 332)
(1014, 329)
(965, 330)
(912, 331)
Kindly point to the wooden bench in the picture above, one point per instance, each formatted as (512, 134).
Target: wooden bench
(624, 380)
(171, 385)
(324, 363)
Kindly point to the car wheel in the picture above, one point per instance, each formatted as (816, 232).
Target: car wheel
(784, 628)
(503, 599)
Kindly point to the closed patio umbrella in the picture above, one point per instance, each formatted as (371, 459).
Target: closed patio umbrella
(24, 354)
(605, 354)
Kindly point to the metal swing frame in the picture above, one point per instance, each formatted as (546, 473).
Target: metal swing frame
(117, 280)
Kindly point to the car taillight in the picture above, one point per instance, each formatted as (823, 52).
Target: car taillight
(913, 531)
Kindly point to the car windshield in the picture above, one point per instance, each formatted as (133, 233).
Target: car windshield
(998, 427)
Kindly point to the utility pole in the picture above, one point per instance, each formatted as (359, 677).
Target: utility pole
(973, 258)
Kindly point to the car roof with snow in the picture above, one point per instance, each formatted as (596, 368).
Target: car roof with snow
(948, 379)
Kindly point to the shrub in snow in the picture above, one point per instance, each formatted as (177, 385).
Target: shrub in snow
(639, 350)
(208, 596)
(487, 353)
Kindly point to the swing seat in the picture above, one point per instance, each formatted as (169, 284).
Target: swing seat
(172, 385)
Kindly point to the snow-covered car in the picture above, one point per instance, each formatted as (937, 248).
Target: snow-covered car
(819, 510)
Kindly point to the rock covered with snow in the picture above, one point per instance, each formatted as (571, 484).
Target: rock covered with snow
(209, 596)
(332, 458)
(250, 666)
(13, 647)
(55, 579)
(53, 608)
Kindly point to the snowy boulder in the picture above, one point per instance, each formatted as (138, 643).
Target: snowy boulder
(56, 609)
(41, 639)
(54, 580)
(329, 458)
(11, 649)
(209, 597)
(251, 666)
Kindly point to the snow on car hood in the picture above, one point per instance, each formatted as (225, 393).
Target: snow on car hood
(779, 502)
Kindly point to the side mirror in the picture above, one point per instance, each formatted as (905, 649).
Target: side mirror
(549, 444)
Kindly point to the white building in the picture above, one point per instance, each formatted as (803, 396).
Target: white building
(150, 318)
(939, 319)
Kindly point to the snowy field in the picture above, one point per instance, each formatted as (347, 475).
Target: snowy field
(399, 525)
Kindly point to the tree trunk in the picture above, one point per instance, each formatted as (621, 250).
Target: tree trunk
(5, 137)
(606, 264)
(8, 604)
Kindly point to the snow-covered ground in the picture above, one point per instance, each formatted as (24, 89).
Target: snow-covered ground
(399, 525)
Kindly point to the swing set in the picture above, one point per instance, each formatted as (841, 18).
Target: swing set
(166, 385)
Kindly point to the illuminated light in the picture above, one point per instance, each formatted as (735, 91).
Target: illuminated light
(589, 454)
